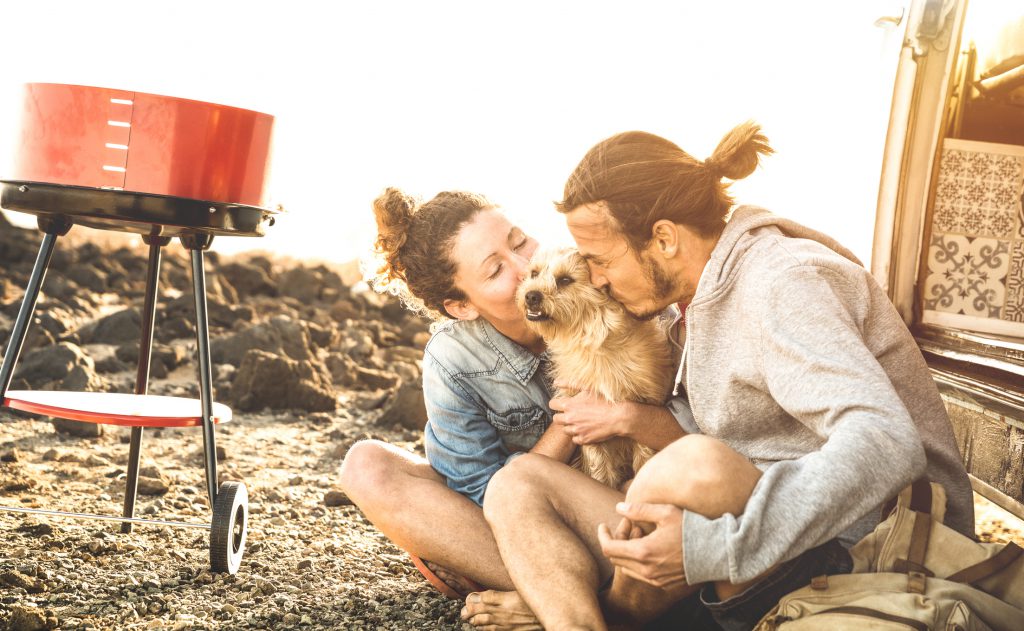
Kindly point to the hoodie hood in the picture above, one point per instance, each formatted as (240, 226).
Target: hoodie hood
(738, 238)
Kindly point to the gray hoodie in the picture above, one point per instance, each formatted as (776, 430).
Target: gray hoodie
(796, 359)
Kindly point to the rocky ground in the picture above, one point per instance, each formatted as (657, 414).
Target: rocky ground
(309, 365)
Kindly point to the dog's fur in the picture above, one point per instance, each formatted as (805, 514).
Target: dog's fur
(596, 345)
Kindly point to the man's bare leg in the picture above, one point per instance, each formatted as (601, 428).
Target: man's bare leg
(410, 503)
(564, 508)
(544, 516)
(696, 473)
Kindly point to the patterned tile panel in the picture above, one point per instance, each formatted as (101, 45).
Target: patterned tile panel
(976, 247)
(967, 275)
(1014, 310)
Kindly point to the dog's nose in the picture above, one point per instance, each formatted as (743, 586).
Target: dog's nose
(533, 298)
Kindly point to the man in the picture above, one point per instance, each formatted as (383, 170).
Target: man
(812, 401)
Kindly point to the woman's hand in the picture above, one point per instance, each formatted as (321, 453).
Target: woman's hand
(588, 418)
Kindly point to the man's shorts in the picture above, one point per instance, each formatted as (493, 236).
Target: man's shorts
(704, 611)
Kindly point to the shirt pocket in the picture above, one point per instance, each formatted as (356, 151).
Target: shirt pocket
(520, 429)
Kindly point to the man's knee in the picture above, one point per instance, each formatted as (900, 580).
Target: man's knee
(699, 473)
(511, 483)
(364, 469)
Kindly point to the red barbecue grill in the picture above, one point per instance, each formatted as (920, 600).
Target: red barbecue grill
(161, 167)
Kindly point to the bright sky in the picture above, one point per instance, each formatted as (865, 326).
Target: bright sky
(502, 99)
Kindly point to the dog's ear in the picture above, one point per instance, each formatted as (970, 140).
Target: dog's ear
(461, 309)
(594, 333)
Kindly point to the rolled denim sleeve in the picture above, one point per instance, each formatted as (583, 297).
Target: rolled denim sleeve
(460, 444)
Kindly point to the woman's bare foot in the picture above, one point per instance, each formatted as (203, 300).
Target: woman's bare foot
(460, 584)
(499, 611)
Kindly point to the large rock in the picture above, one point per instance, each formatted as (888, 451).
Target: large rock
(344, 370)
(52, 363)
(88, 277)
(322, 336)
(116, 328)
(377, 379)
(280, 335)
(302, 284)
(83, 379)
(27, 618)
(405, 407)
(344, 309)
(248, 279)
(268, 380)
(56, 320)
(218, 312)
(163, 357)
(355, 342)
(77, 428)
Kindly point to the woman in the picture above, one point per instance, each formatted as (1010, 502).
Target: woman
(458, 259)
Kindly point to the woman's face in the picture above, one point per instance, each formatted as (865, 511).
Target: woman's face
(491, 255)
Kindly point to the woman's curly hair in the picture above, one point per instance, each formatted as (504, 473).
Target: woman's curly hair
(414, 246)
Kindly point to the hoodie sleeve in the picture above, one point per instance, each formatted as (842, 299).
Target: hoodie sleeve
(818, 369)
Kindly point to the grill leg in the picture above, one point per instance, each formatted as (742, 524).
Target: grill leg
(196, 246)
(52, 227)
(142, 374)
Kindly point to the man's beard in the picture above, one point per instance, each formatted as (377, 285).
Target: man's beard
(662, 285)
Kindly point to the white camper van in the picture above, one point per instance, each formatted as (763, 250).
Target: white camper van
(949, 232)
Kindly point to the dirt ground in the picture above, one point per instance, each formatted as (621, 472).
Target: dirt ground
(307, 565)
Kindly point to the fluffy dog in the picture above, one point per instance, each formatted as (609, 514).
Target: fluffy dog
(596, 345)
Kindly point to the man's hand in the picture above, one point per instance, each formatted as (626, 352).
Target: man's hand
(587, 418)
(655, 558)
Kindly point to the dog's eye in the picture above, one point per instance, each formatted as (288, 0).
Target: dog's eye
(563, 281)
(534, 274)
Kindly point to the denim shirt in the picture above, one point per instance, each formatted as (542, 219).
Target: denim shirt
(487, 401)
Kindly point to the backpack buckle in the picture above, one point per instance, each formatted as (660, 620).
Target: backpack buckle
(916, 582)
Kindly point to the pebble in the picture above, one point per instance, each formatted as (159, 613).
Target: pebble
(18, 580)
(96, 461)
(26, 618)
(336, 498)
(36, 529)
(153, 486)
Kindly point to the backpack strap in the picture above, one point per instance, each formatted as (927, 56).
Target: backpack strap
(913, 565)
(993, 565)
(921, 496)
(920, 499)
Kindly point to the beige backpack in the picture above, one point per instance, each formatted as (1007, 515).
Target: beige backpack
(913, 572)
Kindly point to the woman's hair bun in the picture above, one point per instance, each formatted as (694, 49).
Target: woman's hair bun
(737, 155)
(394, 211)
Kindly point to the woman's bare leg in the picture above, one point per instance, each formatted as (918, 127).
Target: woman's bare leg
(410, 503)
(545, 515)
